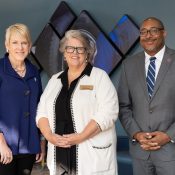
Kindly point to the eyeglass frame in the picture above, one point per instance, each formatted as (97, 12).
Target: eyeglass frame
(75, 48)
(150, 31)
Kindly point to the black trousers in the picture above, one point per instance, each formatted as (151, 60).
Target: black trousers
(21, 165)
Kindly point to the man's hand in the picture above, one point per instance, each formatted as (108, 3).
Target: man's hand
(145, 140)
(160, 138)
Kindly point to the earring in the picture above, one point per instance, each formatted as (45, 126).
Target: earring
(86, 60)
(7, 50)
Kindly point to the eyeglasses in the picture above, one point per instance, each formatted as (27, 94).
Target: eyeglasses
(79, 50)
(153, 31)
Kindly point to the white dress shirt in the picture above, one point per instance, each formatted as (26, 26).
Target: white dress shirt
(158, 61)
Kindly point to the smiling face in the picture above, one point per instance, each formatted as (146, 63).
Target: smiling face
(154, 40)
(75, 53)
(17, 43)
(18, 47)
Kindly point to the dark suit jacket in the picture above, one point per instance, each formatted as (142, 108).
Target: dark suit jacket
(140, 113)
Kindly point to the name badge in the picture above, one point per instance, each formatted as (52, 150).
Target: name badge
(86, 87)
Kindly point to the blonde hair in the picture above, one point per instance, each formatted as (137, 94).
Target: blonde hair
(20, 29)
(85, 37)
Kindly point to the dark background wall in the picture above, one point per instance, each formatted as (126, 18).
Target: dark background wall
(36, 13)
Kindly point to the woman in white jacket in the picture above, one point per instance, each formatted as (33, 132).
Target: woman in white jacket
(77, 113)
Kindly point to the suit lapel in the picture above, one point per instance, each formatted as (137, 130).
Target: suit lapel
(142, 74)
(165, 65)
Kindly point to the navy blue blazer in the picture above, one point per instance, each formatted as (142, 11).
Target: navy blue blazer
(18, 103)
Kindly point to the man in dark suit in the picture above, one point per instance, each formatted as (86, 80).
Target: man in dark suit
(147, 102)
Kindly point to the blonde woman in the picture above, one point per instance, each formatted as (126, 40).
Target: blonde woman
(20, 89)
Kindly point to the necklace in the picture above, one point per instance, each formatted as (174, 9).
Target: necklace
(20, 72)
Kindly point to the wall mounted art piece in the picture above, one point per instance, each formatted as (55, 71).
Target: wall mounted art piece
(107, 56)
(112, 49)
(62, 18)
(34, 61)
(45, 49)
(125, 34)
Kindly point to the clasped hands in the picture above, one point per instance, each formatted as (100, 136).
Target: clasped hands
(151, 141)
(66, 140)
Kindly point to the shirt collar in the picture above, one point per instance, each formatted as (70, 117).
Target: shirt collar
(86, 71)
(159, 55)
(30, 71)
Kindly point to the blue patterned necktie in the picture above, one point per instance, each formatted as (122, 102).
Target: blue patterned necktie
(151, 76)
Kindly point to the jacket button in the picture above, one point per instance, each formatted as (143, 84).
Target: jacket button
(27, 92)
(150, 111)
(26, 114)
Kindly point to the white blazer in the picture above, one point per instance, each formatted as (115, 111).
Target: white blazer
(99, 102)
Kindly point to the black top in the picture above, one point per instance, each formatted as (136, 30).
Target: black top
(66, 157)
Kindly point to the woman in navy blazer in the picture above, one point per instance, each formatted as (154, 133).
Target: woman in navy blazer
(20, 89)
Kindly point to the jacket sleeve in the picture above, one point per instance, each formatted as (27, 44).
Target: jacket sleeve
(107, 99)
(125, 105)
(42, 105)
(0, 81)
(171, 131)
(0, 118)
(39, 85)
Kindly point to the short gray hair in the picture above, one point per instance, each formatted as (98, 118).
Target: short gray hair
(85, 37)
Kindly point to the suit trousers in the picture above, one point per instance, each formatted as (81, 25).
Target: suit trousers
(21, 165)
(151, 167)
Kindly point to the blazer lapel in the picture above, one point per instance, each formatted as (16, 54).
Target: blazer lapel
(142, 74)
(166, 62)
